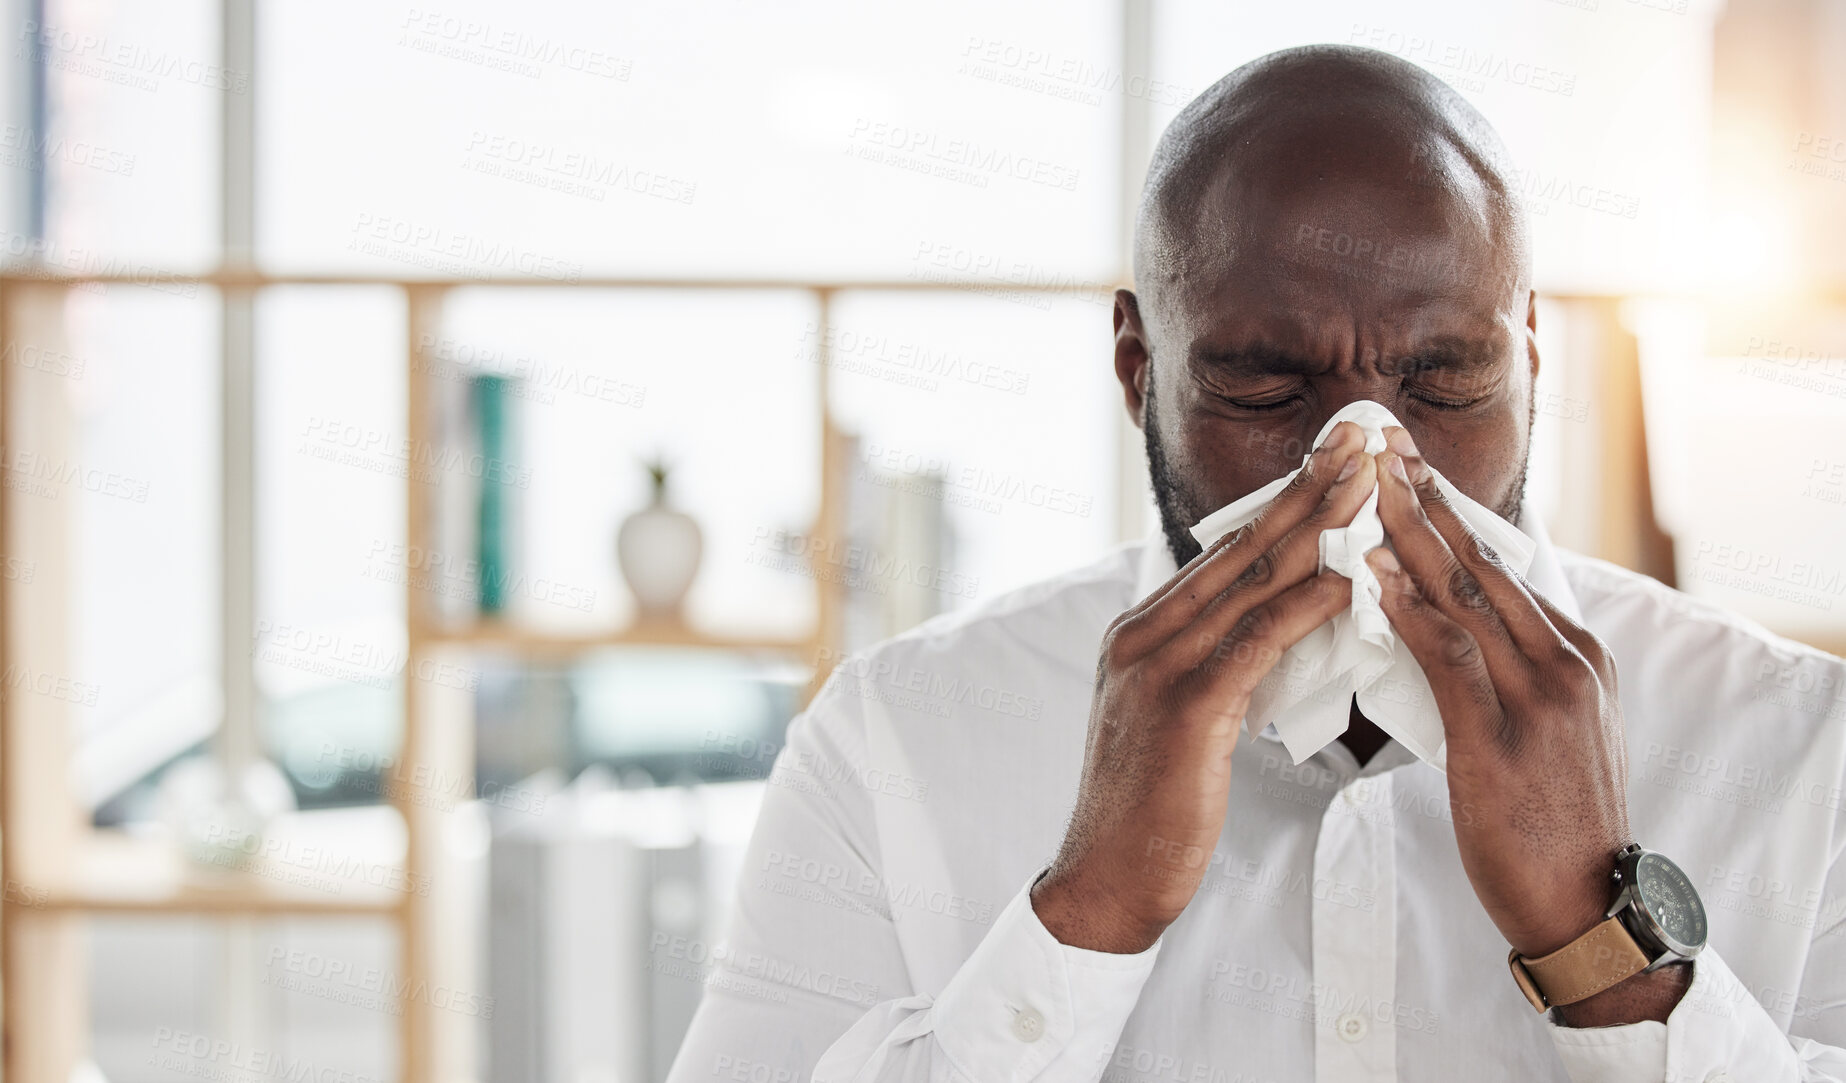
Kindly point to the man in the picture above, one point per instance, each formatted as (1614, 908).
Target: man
(955, 878)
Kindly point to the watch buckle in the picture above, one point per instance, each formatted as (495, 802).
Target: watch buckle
(1523, 979)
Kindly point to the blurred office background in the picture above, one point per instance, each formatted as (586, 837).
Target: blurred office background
(444, 445)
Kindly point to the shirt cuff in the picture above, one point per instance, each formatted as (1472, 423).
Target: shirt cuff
(1717, 1033)
(1024, 1000)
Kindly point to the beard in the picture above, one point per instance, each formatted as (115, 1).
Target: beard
(1180, 507)
(1171, 495)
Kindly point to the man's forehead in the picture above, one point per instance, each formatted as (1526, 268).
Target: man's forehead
(1343, 269)
(1359, 230)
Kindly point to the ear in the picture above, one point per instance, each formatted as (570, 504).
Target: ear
(1132, 355)
(1532, 333)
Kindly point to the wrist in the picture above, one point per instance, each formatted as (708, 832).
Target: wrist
(1649, 995)
(1568, 916)
(1636, 959)
(1081, 916)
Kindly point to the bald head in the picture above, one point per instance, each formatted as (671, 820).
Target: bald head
(1324, 225)
(1278, 139)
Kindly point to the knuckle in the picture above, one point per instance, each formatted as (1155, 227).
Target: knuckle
(1323, 508)
(1114, 651)
(1239, 537)
(1255, 626)
(1483, 553)
(1510, 737)
(1202, 641)
(1305, 489)
(1456, 647)
(1577, 680)
(1418, 510)
(1156, 671)
(1588, 674)
(1237, 654)
(1467, 591)
(1425, 485)
(1600, 658)
(1305, 480)
(1413, 594)
(1260, 571)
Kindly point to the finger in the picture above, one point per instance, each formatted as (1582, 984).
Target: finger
(1506, 593)
(1441, 579)
(1581, 639)
(1248, 651)
(1292, 559)
(1450, 656)
(1193, 587)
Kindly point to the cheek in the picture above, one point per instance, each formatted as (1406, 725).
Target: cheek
(1481, 455)
(1226, 459)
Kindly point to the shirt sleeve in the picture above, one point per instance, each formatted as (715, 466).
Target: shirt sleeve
(1023, 1007)
(811, 981)
(1721, 1033)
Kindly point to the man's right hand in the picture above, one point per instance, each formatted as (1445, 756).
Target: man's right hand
(1172, 687)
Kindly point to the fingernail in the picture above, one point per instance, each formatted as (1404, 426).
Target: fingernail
(1383, 560)
(1332, 441)
(1351, 468)
(1398, 440)
(1397, 467)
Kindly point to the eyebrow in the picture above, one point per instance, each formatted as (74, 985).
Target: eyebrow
(1448, 354)
(1266, 359)
(1256, 359)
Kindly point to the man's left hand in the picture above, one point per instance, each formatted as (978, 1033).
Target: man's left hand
(1535, 744)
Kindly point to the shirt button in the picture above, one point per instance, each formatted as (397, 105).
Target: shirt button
(1028, 1025)
(1359, 793)
(1351, 1027)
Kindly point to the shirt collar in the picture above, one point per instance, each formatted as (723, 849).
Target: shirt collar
(1546, 575)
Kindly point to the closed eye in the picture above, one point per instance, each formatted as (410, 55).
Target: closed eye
(1264, 405)
(1443, 403)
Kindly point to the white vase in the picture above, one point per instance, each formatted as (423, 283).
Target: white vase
(217, 825)
(659, 548)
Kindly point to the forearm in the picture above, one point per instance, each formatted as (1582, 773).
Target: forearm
(1087, 918)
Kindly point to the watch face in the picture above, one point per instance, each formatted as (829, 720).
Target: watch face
(1670, 899)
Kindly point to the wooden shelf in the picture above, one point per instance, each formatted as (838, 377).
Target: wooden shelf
(509, 637)
(57, 870)
(251, 899)
(115, 873)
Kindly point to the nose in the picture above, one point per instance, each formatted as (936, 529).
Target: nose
(1369, 414)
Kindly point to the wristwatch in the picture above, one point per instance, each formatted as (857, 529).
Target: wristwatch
(1656, 919)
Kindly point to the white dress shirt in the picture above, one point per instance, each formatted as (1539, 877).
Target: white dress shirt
(883, 929)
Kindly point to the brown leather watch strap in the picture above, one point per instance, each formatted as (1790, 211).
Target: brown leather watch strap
(1580, 969)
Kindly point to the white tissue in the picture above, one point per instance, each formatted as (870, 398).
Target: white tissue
(1308, 694)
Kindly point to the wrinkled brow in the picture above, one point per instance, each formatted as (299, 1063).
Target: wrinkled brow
(1448, 354)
